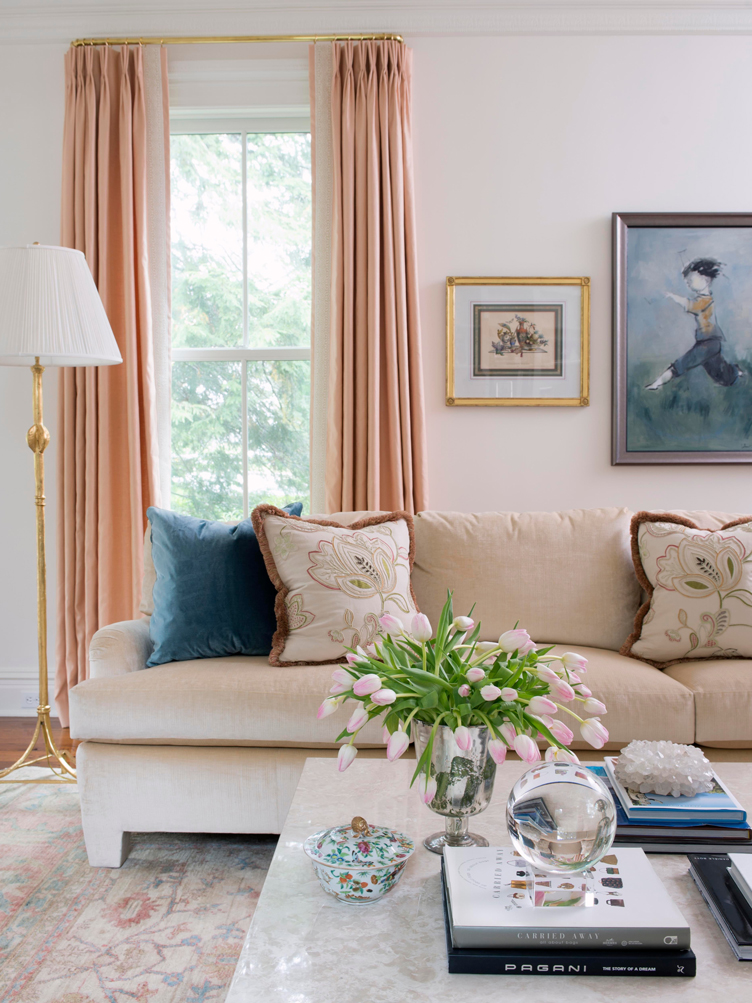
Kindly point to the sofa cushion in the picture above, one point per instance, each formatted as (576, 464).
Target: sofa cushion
(243, 700)
(334, 582)
(567, 575)
(212, 596)
(723, 699)
(237, 700)
(698, 588)
(642, 702)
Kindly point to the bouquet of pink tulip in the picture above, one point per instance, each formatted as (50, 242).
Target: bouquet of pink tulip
(453, 679)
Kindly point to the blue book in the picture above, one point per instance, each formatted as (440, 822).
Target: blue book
(718, 805)
(698, 828)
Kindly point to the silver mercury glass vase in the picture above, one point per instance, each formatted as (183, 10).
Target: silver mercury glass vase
(464, 782)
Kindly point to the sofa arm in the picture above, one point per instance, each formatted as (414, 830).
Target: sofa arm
(119, 648)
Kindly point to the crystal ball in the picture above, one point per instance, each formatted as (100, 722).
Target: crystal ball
(561, 818)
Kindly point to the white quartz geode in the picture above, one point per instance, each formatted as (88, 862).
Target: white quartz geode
(664, 768)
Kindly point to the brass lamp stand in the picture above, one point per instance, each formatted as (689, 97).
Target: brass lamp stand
(38, 439)
(51, 313)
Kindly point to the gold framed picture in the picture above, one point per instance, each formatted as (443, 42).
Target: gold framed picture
(518, 341)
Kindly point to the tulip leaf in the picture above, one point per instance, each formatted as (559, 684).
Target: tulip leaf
(431, 699)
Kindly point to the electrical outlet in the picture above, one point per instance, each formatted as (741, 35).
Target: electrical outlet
(30, 700)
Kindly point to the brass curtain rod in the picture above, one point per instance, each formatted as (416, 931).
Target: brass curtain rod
(219, 39)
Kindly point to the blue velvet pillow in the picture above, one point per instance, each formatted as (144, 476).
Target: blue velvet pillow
(212, 595)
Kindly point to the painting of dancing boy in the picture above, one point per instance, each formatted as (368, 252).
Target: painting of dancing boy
(707, 350)
(683, 338)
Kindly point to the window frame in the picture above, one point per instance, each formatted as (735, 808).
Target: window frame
(205, 121)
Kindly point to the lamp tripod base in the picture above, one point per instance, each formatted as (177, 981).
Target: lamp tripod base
(38, 439)
(55, 760)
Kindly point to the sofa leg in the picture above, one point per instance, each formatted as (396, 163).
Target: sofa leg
(106, 847)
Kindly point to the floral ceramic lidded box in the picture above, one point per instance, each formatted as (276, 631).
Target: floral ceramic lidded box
(357, 862)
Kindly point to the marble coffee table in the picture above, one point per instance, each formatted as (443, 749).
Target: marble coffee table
(306, 947)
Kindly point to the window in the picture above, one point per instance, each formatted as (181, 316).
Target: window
(241, 307)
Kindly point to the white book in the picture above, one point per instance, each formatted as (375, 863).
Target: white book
(490, 906)
(741, 873)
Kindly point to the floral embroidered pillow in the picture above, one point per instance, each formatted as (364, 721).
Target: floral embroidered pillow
(334, 582)
(699, 587)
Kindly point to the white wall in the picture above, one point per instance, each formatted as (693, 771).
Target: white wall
(31, 131)
(524, 146)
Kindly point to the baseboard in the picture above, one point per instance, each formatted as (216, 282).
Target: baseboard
(19, 692)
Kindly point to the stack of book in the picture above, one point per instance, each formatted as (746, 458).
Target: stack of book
(725, 882)
(503, 919)
(713, 823)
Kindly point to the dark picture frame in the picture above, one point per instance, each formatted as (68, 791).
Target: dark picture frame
(682, 355)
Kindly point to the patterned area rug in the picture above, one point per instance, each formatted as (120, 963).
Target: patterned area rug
(168, 925)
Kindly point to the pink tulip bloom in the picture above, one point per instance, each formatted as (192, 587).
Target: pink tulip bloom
(328, 707)
(475, 675)
(366, 685)
(463, 738)
(463, 623)
(574, 662)
(526, 648)
(427, 787)
(385, 735)
(340, 688)
(497, 750)
(526, 749)
(546, 719)
(357, 719)
(508, 732)
(593, 732)
(542, 705)
(593, 706)
(561, 689)
(490, 692)
(573, 678)
(583, 691)
(508, 694)
(358, 657)
(511, 640)
(489, 648)
(392, 625)
(464, 690)
(397, 744)
(346, 755)
(546, 673)
(556, 755)
(383, 697)
(560, 731)
(421, 627)
(342, 676)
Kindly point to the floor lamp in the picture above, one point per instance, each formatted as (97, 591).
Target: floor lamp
(50, 315)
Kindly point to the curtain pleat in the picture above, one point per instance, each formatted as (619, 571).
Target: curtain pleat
(108, 457)
(376, 451)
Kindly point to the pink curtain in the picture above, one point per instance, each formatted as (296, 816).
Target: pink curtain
(107, 454)
(376, 452)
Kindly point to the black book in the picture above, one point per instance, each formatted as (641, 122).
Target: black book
(571, 961)
(725, 901)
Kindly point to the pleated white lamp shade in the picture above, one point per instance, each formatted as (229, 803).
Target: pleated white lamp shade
(50, 309)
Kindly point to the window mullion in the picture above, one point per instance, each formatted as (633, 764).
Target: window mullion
(244, 424)
(244, 364)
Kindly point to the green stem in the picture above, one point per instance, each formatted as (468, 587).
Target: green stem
(488, 724)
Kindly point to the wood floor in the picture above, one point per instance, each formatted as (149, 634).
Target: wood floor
(15, 735)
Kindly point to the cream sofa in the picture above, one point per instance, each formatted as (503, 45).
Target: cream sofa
(218, 745)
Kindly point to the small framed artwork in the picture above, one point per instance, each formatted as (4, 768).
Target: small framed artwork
(518, 341)
(682, 338)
